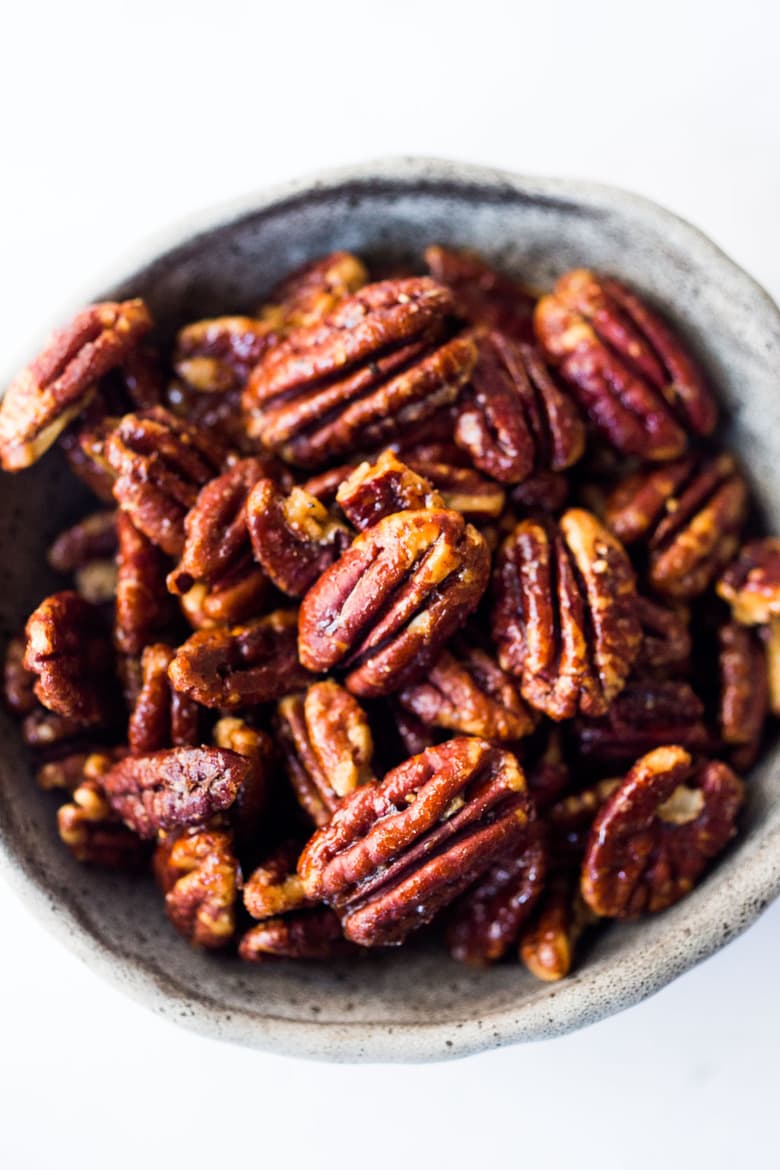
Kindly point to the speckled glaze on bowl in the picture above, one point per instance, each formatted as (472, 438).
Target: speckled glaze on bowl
(418, 1004)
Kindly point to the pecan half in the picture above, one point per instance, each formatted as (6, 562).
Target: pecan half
(630, 372)
(172, 789)
(744, 692)
(397, 852)
(248, 810)
(515, 419)
(569, 821)
(547, 944)
(18, 681)
(371, 491)
(657, 833)
(463, 489)
(87, 824)
(311, 934)
(143, 608)
(314, 290)
(294, 537)
(160, 463)
(274, 887)
(565, 620)
(240, 666)
(391, 601)
(218, 415)
(217, 354)
(161, 716)
(375, 366)
(647, 714)
(69, 650)
(687, 515)
(200, 878)
(751, 585)
(482, 295)
(59, 383)
(83, 445)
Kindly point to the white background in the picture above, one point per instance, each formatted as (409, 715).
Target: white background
(115, 120)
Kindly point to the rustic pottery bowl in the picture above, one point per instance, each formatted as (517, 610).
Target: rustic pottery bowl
(418, 1004)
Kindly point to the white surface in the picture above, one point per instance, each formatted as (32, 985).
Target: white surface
(117, 119)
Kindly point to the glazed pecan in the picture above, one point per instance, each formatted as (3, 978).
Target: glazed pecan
(58, 384)
(161, 716)
(630, 372)
(687, 515)
(294, 537)
(666, 639)
(313, 291)
(64, 773)
(46, 732)
(744, 693)
(546, 491)
(175, 788)
(69, 650)
(487, 920)
(565, 620)
(514, 419)
(371, 491)
(397, 852)
(751, 585)
(327, 747)
(391, 601)
(18, 681)
(310, 934)
(84, 443)
(547, 944)
(412, 734)
(656, 834)
(200, 878)
(87, 823)
(93, 538)
(647, 714)
(467, 692)
(143, 608)
(218, 415)
(216, 354)
(248, 810)
(482, 295)
(274, 887)
(569, 821)
(240, 666)
(463, 489)
(546, 767)
(771, 638)
(376, 365)
(160, 463)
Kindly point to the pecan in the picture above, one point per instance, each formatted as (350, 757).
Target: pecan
(93, 538)
(313, 291)
(569, 821)
(218, 415)
(274, 887)
(143, 608)
(546, 767)
(744, 692)
(666, 639)
(45, 731)
(311, 934)
(248, 809)
(84, 448)
(463, 489)
(771, 637)
(235, 599)
(547, 943)
(69, 650)
(64, 773)
(647, 714)
(172, 789)
(482, 295)
(294, 537)
(59, 383)
(161, 716)
(515, 420)
(240, 666)
(18, 681)
(371, 491)
(565, 620)
(397, 852)
(200, 878)
(488, 919)
(656, 834)
(327, 747)
(161, 463)
(88, 825)
(391, 601)
(413, 735)
(375, 366)
(467, 692)
(546, 491)
(630, 372)
(751, 585)
(216, 354)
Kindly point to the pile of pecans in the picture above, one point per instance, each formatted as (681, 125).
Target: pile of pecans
(407, 599)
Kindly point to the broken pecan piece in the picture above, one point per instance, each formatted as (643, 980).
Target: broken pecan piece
(58, 384)
(751, 585)
(397, 852)
(87, 824)
(371, 491)
(547, 944)
(200, 878)
(248, 809)
(630, 372)
(274, 887)
(69, 650)
(565, 620)
(143, 608)
(175, 788)
(688, 516)
(310, 934)
(18, 681)
(482, 295)
(657, 833)
(391, 601)
(161, 717)
(744, 693)
(294, 537)
(240, 666)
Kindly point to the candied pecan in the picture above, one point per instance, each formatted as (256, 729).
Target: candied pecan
(312, 291)
(274, 887)
(414, 735)
(565, 620)
(546, 767)
(219, 415)
(488, 918)
(463, 489)
(84, 448)
(570, 819)
(751, 585)
(248, 809)
(656, 834)
(771, 638)
(88, 825)
(161, 716)
(175, 788)
(376, 365)
(666, 639)
(688, 516)
(161, 462)
(372, 491)
(648, 713)
(482, 295)
(397, 852)
(547, 943)
(65, 772)
(216, 354)
(294, 537)
(93, 538)
(630, 372)
(200, 878)
(143, 607)
(744, 692)
(466, 691)
(514, 419)
(327, 746)
(18, 681)
(546, 491)
(240, 666)
(59, 383)
(235, 599)
(391, 601)
(69, 650)
(45, 731)
(310, 934)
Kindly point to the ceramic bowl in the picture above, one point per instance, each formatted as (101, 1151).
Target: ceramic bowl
(416, 1004)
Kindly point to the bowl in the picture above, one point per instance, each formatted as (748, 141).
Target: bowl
(418, 1004)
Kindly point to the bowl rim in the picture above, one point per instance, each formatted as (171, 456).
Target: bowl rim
(751, 888)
